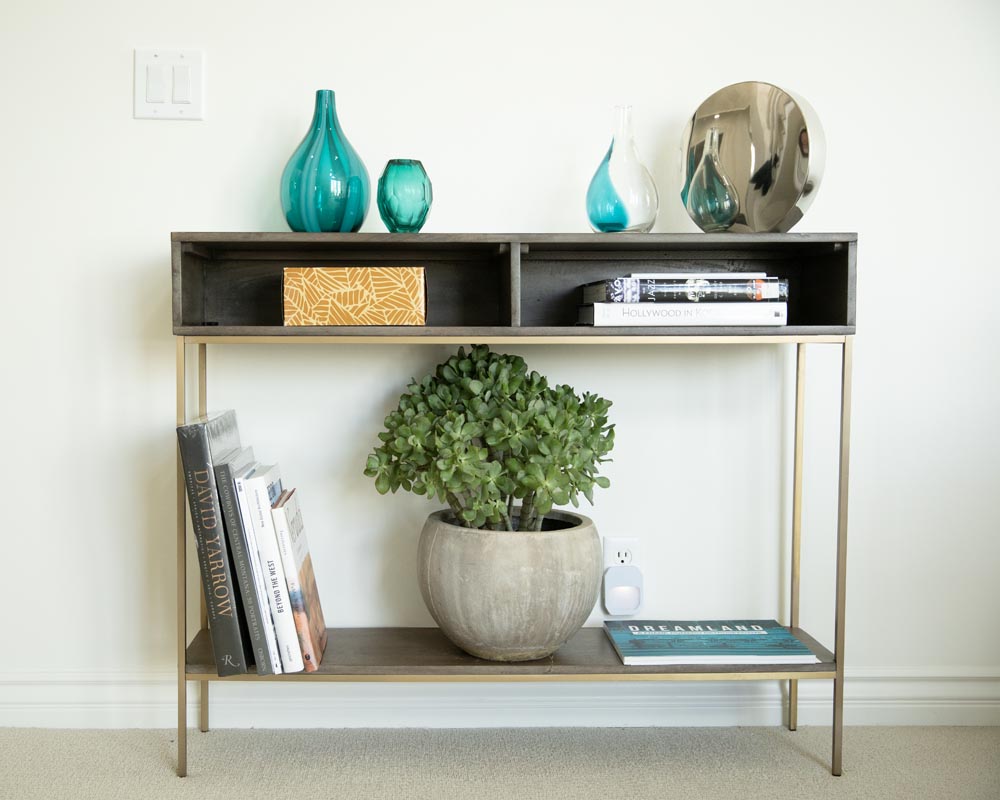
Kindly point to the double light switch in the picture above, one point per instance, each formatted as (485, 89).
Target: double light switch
(168, 84)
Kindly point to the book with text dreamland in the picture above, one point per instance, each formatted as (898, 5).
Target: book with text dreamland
(684, 314)
(694, 289)
(302, 591)
(739, 641)
(204, 442)
(264, 489)
(255, 607)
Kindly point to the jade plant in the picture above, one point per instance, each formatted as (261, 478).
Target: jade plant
(483, 434)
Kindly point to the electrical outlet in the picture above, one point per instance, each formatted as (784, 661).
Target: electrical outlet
(620, 551)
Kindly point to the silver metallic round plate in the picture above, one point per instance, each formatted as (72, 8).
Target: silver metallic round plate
(770, 150)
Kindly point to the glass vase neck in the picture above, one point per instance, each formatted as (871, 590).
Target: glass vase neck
(326, 107)
(623, 125)
(712, 141)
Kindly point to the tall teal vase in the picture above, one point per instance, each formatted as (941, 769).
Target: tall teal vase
(325, 186)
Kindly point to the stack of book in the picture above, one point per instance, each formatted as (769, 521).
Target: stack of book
(729, 641)
(686, 299)
(263, 606)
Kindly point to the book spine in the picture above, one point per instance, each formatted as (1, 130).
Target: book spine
(685, 314)
(283, 534)
(692, 290)
(213, 558)
(274, 578)
(246, 516)
(236, 538)
(684, 276)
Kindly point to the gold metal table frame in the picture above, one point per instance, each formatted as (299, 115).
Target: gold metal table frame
(834, 669)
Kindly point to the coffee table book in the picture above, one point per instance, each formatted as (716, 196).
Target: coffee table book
(740, 641)
(769, 313)
(203, 443)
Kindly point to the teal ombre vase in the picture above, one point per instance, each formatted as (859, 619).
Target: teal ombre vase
(404, 195)
(711, 200)
(622, 195)
(325, 185)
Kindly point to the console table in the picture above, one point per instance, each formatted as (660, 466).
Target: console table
(501, 289)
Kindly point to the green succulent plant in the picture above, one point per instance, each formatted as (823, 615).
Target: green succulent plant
(482, 432)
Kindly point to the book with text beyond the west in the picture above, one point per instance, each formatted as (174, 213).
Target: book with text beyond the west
(685, 290)
(739, 641)
(773, 313)
(302, 591)
(263, 489)
(256, 569)
(255, 607)
(203, 442)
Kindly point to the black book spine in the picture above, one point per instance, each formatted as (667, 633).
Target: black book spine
(213, 557)
(675, 290)
(253, 610)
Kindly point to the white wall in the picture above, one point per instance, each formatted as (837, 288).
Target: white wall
(509, 107)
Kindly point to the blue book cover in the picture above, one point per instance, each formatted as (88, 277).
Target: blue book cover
(714, 641)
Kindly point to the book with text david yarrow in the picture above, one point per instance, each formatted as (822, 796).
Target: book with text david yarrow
(208, 440)
(684, 314)
(740, 641)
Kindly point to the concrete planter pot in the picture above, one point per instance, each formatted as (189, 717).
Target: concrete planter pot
(510, 595)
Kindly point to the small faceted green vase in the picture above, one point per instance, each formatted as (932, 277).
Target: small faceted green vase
(404, 195)
(325, 186)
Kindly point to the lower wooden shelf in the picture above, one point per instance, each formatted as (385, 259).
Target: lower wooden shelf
(424, 654)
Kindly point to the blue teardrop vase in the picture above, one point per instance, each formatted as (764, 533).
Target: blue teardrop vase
(325, 186)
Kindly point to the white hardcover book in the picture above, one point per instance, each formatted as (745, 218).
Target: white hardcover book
(684, 314)
(302, 591)
(264, 488)
(250, 536)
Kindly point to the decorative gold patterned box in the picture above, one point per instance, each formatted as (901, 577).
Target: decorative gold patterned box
(354, 296)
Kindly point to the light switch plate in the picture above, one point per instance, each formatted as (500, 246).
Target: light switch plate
(177, 77)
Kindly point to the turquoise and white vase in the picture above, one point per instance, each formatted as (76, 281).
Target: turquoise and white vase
(622, 195)
(325, 186)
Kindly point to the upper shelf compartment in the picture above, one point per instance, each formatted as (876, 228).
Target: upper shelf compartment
(231, 282)
(502, 284)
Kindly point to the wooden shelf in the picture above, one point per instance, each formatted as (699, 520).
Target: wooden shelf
(582, 334)
(513, 287)
(415, 654)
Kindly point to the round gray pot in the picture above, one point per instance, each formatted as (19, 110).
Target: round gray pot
(510, 595)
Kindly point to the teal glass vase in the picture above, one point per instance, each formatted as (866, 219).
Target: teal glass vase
(325, 186)
(622, 195)
(711, 200)
(404, 195)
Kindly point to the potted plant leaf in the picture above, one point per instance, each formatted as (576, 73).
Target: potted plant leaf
(505, 576)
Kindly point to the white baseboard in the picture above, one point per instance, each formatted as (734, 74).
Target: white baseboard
(883, 696)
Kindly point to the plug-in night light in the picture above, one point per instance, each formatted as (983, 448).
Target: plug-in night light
(622, 590)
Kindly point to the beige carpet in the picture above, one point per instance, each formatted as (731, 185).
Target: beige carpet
(514, 764)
